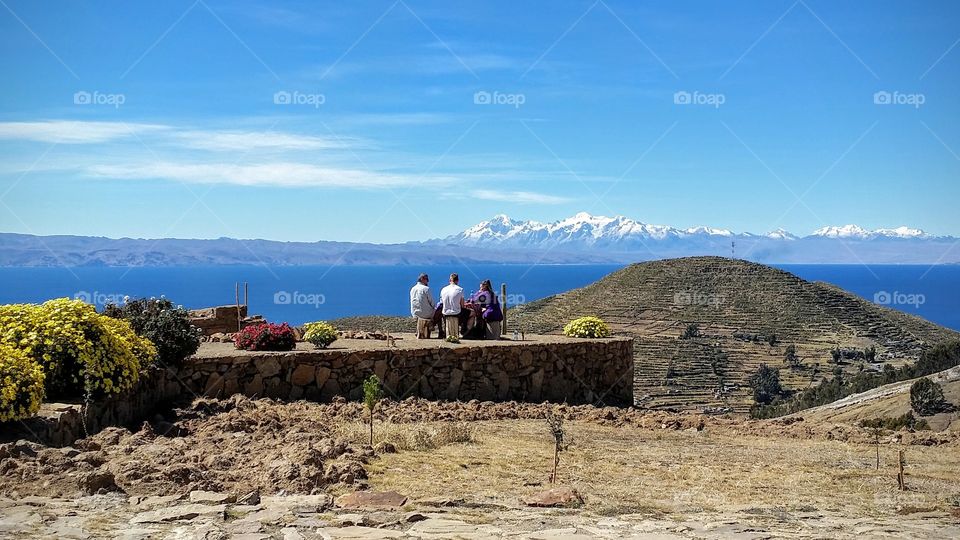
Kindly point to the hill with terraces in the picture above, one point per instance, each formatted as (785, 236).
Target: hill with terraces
(738, 307)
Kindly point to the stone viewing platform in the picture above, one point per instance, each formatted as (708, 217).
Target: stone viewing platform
(540, 368)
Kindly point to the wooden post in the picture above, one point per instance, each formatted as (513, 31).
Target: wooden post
(901, 480)
(876, 434)
(503, 308)
(236, 287)
(246, 296)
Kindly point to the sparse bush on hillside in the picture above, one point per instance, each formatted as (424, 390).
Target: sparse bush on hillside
(586, 327)
(938, 358)
(926, 397)
(266, 337)
(166, 325)
(870, 354)
(766, 385)
(772, 339)
(320, 333)
(894, 423)
(691, 331)
(21, 384)
(790, 356)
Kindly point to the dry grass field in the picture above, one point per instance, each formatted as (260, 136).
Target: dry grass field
(676, 474)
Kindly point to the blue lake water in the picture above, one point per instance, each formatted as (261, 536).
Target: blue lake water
(301, 294)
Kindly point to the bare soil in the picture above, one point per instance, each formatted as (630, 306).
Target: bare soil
(240, 444)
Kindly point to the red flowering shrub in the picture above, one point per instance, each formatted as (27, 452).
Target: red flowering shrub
(266, 337)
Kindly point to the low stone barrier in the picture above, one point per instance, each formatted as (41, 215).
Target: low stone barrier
(543, 368)
(564, 370)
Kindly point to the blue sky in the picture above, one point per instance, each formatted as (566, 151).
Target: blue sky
(394, 121)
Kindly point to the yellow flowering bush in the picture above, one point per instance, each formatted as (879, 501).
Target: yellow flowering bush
(21, 384)
(320, 333)
(586, 327)
(81, 351)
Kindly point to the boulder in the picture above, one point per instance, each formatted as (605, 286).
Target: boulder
(372, 499)
(179, 513)
(98, 481)
(561, 496)
(211, 497)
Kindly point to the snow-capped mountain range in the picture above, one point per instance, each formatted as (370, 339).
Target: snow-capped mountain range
(586, 230)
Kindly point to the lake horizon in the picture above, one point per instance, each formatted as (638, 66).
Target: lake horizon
(299, 294)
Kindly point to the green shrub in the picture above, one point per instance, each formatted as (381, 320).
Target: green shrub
(926, 397)
(691, 331)
(790, 356)
(766, 384)
(894, 423)
(319, 333)
(166, 325)
(82, 353)
(586, 327)
(21, 384)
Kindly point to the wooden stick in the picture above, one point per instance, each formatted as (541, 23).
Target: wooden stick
(246, 296)
(901, 479)
(236, 287)
(876, 434)
(503, 308)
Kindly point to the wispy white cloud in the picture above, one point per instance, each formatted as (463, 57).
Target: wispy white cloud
(523, 197)
(279, 174)
(97, 132)
(247, 140)
(74, 132)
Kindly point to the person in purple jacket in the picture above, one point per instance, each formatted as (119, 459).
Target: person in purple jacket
(489, 309)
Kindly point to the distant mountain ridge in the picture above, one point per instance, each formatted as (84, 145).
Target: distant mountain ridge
(602, 230)
(625, 239)
(579, 239)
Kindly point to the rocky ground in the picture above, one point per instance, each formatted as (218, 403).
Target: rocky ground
(260, 468)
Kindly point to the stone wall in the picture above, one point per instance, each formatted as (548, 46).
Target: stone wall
(220, 319)
(577, 371)
(60, 424)
(559, 370)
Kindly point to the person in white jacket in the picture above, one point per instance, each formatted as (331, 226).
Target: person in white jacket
(422, 306)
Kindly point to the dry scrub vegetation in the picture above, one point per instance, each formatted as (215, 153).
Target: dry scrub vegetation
(675, 473)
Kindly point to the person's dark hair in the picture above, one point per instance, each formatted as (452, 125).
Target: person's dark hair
(423, 277)
(454, 278)
(486, 286)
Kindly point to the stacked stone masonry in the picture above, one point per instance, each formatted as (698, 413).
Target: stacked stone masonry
(557, 369)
